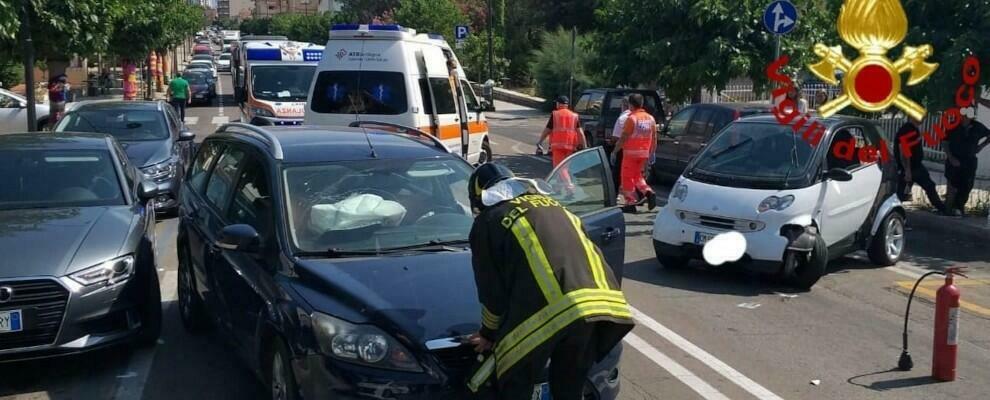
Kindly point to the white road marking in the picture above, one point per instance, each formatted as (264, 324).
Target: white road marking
(192, 120)
(676, 370)
(714, 363)
(220, 120)
(139, 366)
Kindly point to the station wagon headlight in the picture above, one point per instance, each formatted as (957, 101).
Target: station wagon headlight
(680, 191)
(160, 171)
(775, 203)
(362, 344)
(109, 272)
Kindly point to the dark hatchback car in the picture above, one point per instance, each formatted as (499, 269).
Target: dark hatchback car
(76, 234)
(154, 138)
(690, 130)
(336, 259)
(202, 86)
(600, 108)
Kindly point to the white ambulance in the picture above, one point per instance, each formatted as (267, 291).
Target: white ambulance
(276, 81)
(390, 74)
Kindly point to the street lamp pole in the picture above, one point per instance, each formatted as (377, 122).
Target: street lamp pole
(32, 117)
(491, 42)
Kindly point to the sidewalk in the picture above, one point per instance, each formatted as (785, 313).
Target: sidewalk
(970, 228)
(979, 199)
(505, 111)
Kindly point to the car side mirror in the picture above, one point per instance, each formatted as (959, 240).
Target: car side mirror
(239, 237)
(148, 190)
(186, 135)
(22, 105)
(838, 175)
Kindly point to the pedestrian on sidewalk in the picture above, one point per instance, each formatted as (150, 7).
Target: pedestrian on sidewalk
(620, 123)
(638, 142)
(546, 291)
(56, 97)
(566, 136)
(910, 167)
(961, 161)
(179, 94)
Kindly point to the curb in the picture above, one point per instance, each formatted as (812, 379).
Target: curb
(977, 232)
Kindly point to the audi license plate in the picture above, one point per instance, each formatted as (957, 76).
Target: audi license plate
(541, 391)
(10, 321)
(700, 238)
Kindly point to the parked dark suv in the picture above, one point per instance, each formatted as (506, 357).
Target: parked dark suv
(689, 131)
(600, 108)
(337, 262)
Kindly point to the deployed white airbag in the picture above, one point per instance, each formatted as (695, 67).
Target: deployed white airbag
(356, 212)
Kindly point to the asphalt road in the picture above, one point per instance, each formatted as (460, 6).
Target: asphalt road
(703, 332)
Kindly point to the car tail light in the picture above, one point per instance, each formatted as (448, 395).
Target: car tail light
(736, 115)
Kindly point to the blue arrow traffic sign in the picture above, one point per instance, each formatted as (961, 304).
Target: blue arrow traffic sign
(460, 32)
(780, 17)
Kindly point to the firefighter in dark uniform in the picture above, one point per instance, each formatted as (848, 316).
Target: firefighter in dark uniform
(545, 289)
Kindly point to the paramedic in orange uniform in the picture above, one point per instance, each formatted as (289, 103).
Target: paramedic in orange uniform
(566, 135)
(637, 144)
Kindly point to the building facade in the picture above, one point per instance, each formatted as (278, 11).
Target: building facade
(268, 8)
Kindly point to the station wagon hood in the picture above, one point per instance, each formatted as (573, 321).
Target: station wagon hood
(59, 241)
(424, 297)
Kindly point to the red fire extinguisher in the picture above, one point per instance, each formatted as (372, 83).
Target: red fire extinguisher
(946, 329)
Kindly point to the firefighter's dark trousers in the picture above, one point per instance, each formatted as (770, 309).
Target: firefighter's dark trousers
(571, 357)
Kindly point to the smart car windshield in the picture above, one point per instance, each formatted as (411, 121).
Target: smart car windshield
(378, 205)
(57, 178)
(123, 125)
(754, 152)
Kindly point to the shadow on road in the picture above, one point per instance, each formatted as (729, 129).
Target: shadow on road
(63, 378)
(201, 366)
(701, 278)
(890, 384)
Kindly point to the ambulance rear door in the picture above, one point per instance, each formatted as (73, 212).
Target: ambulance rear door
(437, 95)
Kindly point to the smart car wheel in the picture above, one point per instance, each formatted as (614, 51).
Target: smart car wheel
(190, 306)
(280, 378)
(810, 268)
(888, 243)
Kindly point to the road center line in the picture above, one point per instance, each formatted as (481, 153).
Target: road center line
(677, 370)
(714, 363)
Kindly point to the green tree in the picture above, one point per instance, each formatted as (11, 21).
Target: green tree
(474, 57)
(306, 28)
(553, 63)
(687, 45)
(368, 11)
(256, 26)
(430, 16)
(60, 28)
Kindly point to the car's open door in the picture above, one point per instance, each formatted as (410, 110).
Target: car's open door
(583, 184)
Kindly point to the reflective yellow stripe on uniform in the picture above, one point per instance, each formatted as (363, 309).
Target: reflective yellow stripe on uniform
(594, 260)
(536, 259)
(489, 319)
(482, 374)
(562, 320)
(535, 321)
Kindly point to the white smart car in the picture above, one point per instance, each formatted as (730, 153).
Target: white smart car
(797, 205)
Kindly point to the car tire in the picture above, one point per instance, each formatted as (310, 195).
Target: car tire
(810, 269)
(191, 310)
(486, 153)
(670, 261)
(281, 380)
(151, 312)
(887, 244)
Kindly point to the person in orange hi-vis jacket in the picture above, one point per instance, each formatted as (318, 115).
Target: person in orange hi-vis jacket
(566, 135)
(637, 144)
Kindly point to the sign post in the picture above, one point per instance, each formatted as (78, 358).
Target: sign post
(780, 18)
(460, 35)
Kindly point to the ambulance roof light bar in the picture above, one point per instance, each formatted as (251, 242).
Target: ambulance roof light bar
(371, 30)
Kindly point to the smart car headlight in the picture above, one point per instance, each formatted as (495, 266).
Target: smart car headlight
(109, 272)
(680, 191)
(775, 203)
(362, 344)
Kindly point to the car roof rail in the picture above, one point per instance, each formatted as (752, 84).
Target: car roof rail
(258, 133)
(409, 130)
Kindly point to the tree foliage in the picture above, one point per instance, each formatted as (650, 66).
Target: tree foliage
(553, 63)
(474, 57)
(368, 11)
(60, 28)
(145, 26)
(430, 16)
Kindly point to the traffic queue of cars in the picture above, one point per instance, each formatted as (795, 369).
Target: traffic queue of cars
(309, 248)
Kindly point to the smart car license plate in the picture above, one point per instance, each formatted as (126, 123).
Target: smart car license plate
(700, 238)
(10, 321)
(541, 391)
